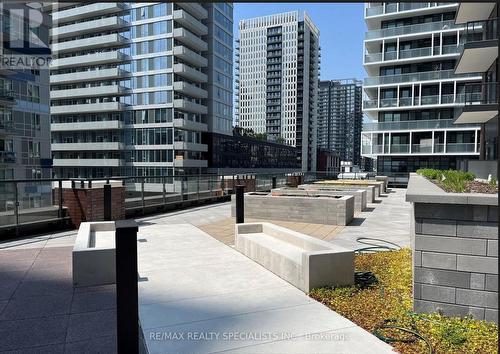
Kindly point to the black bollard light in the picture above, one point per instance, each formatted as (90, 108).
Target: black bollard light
(240, 204)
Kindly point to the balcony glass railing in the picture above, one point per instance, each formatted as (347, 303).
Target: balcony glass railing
(426, 100)
(423, 76)
(7, 157)
(388, 102)
(481, 93)
(403, 6)
(399, 148)
(422, 27)
(421, 148)
(411, 125)
(6, 94)
(412, 53)
(479, 31)
(463, 147)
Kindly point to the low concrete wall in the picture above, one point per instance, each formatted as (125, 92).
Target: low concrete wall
(303, 261)
(94, 254)
(317, 210)
(370, 190)
(379, 185)
(384, 179)
(455, 251)
(359, 194)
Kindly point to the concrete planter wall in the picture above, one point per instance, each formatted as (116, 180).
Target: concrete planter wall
(455, 251)
(94, 254)
(359, 194)
(303, 261)
(379, 185)
(370, 190)
(316, 210)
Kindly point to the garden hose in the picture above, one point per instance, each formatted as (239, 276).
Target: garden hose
(386, 324)
(367, 279)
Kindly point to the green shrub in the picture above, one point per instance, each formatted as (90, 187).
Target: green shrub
(450, 180)
(493, 182)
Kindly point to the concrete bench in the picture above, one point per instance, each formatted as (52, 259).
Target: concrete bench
(370, 190)
(94, 254)
(384, 179)
(358, 194)
(301, 260)
(332, 210)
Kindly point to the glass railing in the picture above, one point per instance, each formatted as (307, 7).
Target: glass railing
(463, 147)
(425, 100)
(438, 148)
(400, 148)
(393, 55)
(451, 49)
(367, 104)
(371, 58)
(405, 101)
(388, 102)
(481, 93)
(481, 30)
(423, 76)
(411, 125)
(422, 27)
(403, 6)
(421, 148)
(6, 94)
(413, 53)
(7, 157)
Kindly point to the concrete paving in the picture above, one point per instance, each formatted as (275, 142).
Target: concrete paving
(387, 219)
(198, 295)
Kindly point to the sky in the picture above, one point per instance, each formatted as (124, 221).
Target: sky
(342, 31)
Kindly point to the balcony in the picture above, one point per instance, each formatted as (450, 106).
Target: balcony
(190, 163)
(416, 77)
(412, 53)
(194, 9)
(7, 97)
(190, 90)
(190, 125)
(411, 29)
(183, 145)
(91, 75)
(91, 59)
(85, 11)
(105, 41)
(190, 56)
(190, 73)
(480, 48)
(7, 157)
(95, 91)
(104, 24)
(189, 39)
(185, 19)
(481, 103)
(393, 8)
(87, 126)
(88, 108)
(94, 146)
(188, 106)
(375, 104)
(104, 162)
(420, 149)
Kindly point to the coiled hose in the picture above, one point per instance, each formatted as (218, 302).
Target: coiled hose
(366, 279)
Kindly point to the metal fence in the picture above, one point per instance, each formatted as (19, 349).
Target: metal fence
(35, 204)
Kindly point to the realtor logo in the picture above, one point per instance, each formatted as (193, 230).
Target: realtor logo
(24, 36)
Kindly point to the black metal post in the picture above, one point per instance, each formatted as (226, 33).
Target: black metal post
(164, 191)
(240, 204)
(60, 212)
(274, 182)
(127, 298)
(16, 206)
(107, 202)
(142, 196)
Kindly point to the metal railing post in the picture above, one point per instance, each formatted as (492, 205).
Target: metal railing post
(198, 187)
(273, 186)
(127, 298)
(240, 204)
(60, 197)
(16, 206)
(164, 191)
(107, 202)
(142, 196)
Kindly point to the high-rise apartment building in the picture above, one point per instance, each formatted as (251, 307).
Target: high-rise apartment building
(480, 55)
(413, 93)
(278, 58)
(134, 85)
(24, 109)
(340, 118)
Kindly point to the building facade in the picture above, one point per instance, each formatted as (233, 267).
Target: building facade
(413, 94)
(134, 85)
(24, 110)
(278, 69)
(480, 55)
(340, 118)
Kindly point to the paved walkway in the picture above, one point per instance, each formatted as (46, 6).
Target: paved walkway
(388, 219)
(198, 295)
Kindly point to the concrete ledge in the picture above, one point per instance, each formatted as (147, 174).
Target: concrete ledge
(421, 190)
(355, 183)
(370, 190)
(359, 194)
(334, 210)
(94, 254)
(384, 179)
(303, 261)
